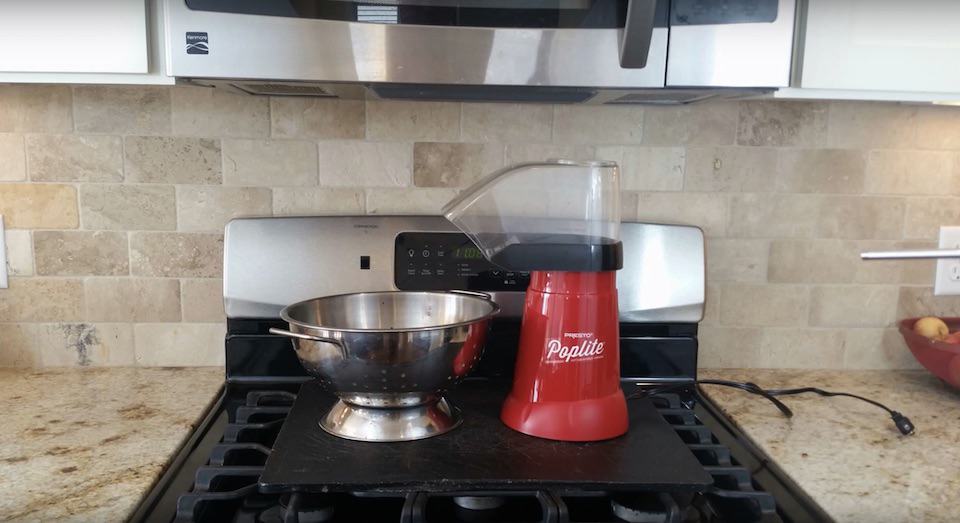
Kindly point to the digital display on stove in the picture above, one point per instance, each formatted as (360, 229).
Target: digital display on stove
(425, 261)
(467, 252)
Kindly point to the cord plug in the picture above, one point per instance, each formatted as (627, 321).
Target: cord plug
(903, 423)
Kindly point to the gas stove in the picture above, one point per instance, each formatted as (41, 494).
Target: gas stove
(259, 456)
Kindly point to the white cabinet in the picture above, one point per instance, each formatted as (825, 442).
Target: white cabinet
(88, 41)
(882, 45)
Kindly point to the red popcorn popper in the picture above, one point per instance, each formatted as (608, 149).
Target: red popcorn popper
(560, 221)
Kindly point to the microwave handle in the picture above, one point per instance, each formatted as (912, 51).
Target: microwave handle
(637, 33)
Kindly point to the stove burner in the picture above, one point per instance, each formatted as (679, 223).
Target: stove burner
(640, 509)
(479, 502)
(308, 508)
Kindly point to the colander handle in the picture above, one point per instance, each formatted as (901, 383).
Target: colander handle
(309, 337)
(477, 294)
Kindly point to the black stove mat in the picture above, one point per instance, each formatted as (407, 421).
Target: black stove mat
(481, 454)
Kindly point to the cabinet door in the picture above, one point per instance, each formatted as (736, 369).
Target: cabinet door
(882, 45)
(72, 36)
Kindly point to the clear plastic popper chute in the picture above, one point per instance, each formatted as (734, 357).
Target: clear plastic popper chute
(555, 215)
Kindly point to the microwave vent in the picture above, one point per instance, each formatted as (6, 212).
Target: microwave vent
(684, 96)
(279, 89)
(663, 97)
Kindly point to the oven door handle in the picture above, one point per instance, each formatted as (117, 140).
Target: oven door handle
(637, 33)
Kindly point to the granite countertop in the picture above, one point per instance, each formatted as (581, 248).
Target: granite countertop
(87, 444)
(848, 455)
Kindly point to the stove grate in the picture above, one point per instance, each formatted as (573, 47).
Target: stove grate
(734, 493)
(226, 488)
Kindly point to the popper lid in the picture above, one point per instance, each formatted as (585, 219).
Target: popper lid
(561, 215)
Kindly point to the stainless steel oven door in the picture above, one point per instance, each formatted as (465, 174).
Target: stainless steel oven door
(219, 44)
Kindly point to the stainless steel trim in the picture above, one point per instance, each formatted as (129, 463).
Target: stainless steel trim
(733, 55)
(925, 254)
(603, 96)
(292, 49)
(799, 41)
(270, 263)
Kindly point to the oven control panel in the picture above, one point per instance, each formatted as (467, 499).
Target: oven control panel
(448, 260)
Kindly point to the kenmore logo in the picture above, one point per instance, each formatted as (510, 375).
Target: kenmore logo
(197, 43)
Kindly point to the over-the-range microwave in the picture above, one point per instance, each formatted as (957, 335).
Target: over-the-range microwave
(563, 51)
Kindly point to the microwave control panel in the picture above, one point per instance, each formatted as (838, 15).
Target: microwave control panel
(427, 261)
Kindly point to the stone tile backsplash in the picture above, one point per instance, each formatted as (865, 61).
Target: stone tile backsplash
(115, 200)
(39, 206)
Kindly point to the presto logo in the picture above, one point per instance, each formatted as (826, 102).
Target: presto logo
(581, 346)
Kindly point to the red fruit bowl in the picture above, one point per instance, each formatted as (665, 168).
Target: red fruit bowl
(938, 357)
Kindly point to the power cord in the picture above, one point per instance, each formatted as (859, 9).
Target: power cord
(903, 423)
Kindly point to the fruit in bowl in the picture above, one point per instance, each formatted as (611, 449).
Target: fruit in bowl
(931, 327)
(934, 346)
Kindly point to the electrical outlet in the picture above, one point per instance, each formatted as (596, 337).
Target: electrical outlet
(948, 269)
(3, 256)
